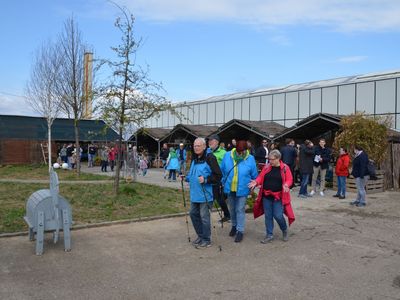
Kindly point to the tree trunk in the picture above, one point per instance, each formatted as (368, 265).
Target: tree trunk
(118, 169)
(78, 148)
(49, 144)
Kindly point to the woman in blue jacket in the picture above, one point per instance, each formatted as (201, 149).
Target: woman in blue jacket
(238, 169)
(172, 164)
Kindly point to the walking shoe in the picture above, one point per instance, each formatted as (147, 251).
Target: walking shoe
(354, 202)
(336, 196)
(312, 193)
(224, 219)
(309, 195)
(342, 197)
(267, 240)
(203, 245)
(321, 193)
(233, 231)
(238, 237)
(285, 236)
(197, 241)
(302, 196)
(360, 204)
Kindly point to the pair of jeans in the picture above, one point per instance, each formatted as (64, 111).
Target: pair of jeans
(182, 167)
(360, 183)
(237, 207)
(172, 173)
(315, 177)
(219, 196)
(304, 182)
(104, 164)
(90, 160)
(273, 209)
(341, 184)
(200, 216)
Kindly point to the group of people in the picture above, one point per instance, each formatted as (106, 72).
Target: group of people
(231, 175)
(68, 154)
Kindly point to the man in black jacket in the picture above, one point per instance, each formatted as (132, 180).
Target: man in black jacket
(262, 153)
(289, 155)
(306, 158)
(360, 173)
(322, 158)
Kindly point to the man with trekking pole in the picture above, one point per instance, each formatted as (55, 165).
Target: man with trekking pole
(204, 172)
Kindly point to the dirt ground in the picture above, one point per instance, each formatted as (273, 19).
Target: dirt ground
(335, 251)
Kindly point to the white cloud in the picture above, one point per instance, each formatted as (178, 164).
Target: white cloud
(15, 105)
(351, 59)
(342, 15)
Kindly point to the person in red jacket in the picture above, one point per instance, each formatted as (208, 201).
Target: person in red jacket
(274, 195)
(342, 171)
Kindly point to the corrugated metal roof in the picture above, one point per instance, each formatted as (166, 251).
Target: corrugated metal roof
(35, 128)
(302, 86)
(263, 128)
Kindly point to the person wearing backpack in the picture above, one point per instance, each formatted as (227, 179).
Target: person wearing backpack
(360, 173)
(342, 171)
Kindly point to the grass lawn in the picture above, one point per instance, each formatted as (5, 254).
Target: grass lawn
(42, 172)
(91, 203)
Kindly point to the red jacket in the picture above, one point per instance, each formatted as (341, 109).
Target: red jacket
(342, 165)
(287, 178)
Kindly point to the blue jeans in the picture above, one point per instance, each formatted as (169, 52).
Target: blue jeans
(200, 216)
(172, 174)
(273, 209)
(90, 160)
(360, 183)
(341, 184)
(303, 185)
(237, 207)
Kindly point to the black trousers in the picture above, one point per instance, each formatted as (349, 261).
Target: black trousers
(220, 197)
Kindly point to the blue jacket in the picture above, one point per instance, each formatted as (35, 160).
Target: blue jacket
(206, 166)
(360, 165)
(247, 171)
(173, 163)
(178, 153)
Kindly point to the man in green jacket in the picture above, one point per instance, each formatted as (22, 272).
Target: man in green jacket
(218, 152)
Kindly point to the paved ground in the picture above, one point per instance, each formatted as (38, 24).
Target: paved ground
(335, 252)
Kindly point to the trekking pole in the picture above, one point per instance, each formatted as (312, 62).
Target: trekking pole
(184, 205)
(211, 222)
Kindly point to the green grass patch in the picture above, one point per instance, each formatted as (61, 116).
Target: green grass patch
(92, 203)
(42, 172)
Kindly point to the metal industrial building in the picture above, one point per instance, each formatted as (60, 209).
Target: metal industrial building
(376, 94)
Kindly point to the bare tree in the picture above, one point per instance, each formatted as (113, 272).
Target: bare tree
(41, 89)
(129, 96)
(70, 83)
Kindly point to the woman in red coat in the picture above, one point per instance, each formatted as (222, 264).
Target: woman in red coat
(274, 196)
(342, 171)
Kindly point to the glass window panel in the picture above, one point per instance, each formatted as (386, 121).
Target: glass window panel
(164, 119)
(219, 117)
(347, 99)
(203, 114)
(237, 109)
(385, 96)
(292, 105)
(304, 104)
(315, 101)
(185, 115)
(245, 109)
(266, 107)
(329, 100)
(398, 122)
(398, 97)
(211, 113)
(365, 97)
(228, 111)
(290, 123)
(196, 114)
(278, 112)
(255, 108)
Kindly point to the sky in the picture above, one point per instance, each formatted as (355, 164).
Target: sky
(199, 49)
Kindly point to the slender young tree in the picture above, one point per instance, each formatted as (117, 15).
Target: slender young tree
(129, 96)
(41, 89)
(71, 80)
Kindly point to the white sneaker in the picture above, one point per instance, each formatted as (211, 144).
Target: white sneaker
(312, 193)
(321, 193)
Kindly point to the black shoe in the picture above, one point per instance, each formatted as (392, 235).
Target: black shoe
(203, 245)
(197, 241)
(267, 240)
(336, 196)
(233, 231)
(224, 219)
(239, 237)
(360, 204)
(342, 197)
(285, 236)
(354, 202)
